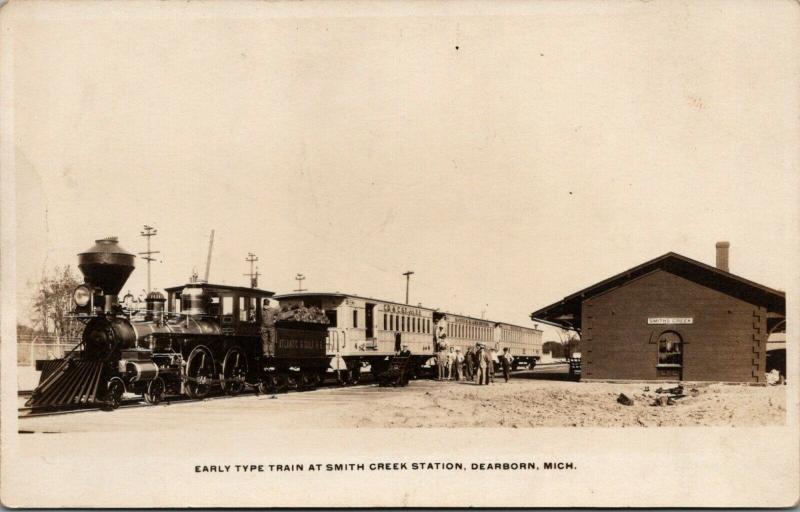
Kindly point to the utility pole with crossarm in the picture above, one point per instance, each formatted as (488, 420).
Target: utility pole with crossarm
(148, 232)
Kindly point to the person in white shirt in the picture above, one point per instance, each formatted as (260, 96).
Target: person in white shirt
(459, 365)
(451, 363)
(495, 364)
(506, 360)
(440, 336)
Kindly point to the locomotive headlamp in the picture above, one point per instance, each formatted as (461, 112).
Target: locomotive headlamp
(82, 295)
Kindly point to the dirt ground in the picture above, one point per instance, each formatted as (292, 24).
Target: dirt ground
(529, 400)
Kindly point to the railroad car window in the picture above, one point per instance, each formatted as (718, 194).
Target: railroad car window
(252, 310)
(331, 314)
(227, 305)
(355, 318)
(242, 310)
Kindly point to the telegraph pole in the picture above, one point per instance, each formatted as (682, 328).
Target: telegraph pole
(148, 232)
(300, 278)
(408, 279)
(252, 258)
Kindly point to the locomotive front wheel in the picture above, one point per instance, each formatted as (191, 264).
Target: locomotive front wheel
(234, 370)
(199, 373)
(155, 391)
(114, 392)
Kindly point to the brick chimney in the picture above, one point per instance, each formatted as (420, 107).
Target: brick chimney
(722, 256)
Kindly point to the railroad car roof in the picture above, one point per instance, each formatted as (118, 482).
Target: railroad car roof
(222, 288)
(343, 295)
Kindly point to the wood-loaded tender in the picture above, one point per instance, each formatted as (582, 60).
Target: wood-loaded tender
(208, 338)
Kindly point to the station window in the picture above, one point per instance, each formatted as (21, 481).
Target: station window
(402, 323)
(355, 318)
(670, 350)
(384, 322)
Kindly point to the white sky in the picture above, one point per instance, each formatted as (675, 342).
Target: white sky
(556, 146)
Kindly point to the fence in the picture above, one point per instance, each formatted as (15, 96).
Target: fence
(31, 348)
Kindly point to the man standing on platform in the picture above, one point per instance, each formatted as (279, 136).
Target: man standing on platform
(469, 358)
(439, 339)
(506, 359)
(459, 365)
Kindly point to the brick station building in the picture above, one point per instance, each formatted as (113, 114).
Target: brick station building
(672, 318)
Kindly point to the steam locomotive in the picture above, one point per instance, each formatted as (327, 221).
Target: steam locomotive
(208, 338)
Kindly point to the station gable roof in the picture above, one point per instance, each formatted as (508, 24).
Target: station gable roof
(567, 312)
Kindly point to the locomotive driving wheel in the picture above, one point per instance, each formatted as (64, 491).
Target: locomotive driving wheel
(199, 373)
(234, 371)
(155, 391)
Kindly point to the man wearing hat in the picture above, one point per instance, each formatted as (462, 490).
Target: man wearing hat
(484, 360)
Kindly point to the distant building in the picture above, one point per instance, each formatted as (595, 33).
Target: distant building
(673, 318)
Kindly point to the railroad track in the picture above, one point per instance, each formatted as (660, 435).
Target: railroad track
(31, 412)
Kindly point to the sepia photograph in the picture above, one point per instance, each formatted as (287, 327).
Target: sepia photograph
(385, 254)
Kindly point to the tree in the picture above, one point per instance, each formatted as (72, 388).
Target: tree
(53, 303)
(555, 348)
(571, 342)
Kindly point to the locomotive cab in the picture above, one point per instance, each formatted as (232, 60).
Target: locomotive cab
(237, 310)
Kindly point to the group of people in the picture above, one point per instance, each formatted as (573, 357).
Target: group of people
(478, 364)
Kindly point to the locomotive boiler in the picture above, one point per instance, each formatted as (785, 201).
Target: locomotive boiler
(200, 339)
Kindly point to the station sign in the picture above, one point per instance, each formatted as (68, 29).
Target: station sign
(402, 310)
(670, 321)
